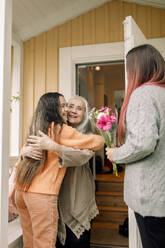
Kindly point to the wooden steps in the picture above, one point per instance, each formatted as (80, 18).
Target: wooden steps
(107, 235)
(112, 214)
(110, 198)
(109, 183)
(113, 211)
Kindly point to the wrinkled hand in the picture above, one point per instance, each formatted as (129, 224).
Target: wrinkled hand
(109, 153)
(42, 142)
(31, 152)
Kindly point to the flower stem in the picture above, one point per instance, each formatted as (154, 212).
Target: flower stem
(115, 169)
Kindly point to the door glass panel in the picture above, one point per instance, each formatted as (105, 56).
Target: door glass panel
(102, 84)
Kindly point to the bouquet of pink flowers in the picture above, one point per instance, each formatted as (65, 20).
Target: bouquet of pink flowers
(104, 122)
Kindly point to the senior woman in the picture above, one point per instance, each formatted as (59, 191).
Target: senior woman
(77, 204)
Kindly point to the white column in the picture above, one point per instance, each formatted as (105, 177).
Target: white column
(5, 65)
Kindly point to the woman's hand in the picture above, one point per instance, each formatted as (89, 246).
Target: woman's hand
(42, 142)
(46, 142)
(109, 153)
(31, 152)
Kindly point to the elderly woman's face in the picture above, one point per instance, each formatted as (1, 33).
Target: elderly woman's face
(76, 110)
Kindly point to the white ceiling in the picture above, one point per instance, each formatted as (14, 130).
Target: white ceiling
(32, 17)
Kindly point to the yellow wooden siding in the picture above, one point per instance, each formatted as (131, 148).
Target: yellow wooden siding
(65, 34)
(89, 28)
(51, 60)
(28, 85)
(77, 31)
(162, 22)
(100, 25)
(39, 67)
(115, 21)
(101, 30)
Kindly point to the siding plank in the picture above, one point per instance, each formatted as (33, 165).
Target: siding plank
(89, 28)
(100, 24)
(65, 34)
(155, 22)
(162, 23)
(77, 31)
(142, 18)
(52, 58)
(115, 20)
(39, 67)
(28, 87)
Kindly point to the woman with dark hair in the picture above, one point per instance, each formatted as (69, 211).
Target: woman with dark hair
(141, 134)
(38, 182)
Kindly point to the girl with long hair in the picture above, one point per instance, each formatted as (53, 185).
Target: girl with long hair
(37, 182)
(141, 134)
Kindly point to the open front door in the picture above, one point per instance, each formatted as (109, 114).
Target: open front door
(133, 36)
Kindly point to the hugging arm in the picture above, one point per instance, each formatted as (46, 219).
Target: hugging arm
(75, 157)
(70, 157)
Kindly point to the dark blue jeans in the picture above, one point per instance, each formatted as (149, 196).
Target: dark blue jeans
(152, 231)
(73, 242)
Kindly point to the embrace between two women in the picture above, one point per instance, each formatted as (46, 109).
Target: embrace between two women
(39, 175)
(141, 146)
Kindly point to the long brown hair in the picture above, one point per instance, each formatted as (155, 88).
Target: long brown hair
(145, 65)
(47, 111)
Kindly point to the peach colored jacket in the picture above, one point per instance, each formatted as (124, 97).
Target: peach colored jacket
(50, 179)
